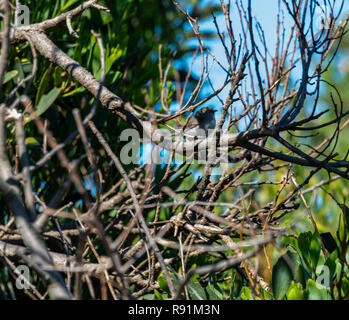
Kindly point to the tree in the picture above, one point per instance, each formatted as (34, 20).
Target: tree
(92, 216)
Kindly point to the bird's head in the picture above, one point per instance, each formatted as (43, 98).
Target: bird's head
(205, 112)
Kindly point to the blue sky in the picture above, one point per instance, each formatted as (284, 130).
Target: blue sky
(265, 12)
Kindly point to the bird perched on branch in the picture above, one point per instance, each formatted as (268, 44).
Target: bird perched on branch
(200, 124)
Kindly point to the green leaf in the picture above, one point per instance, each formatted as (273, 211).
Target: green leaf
(91, 46)
(213, 294)
(158, 295)
(331, 263)
(57, 77)
(295, 292)
(297, 267)
(246, 293)
(300, 275)
(75, 91)
(44, 82)
(10, 75)
(115, 55)
(163, 283)
(345, 286)
(281, 278)
(113, 213)
(338, 271)
(314, 250)
(236, 287)
(67, 5)
(303, 246)
(267, 295)
(45, 102)
(96, 63)
(19, 68)
(117, 76)
(345, 216)
(342, 232)
(316, 292)
(214, 286)
(196, 291)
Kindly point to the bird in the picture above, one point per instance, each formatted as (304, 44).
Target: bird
(200, 124)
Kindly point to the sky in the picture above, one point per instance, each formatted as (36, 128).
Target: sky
(265, 12)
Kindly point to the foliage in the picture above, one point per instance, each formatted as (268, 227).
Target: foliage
(143, 40)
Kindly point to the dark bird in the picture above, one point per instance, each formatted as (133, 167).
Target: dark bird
(203, 121)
